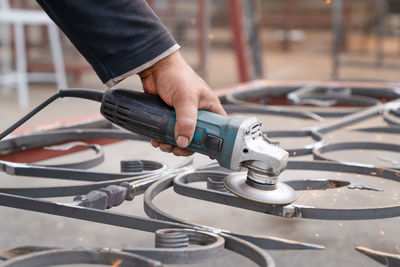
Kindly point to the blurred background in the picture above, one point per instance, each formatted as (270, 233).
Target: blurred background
(226, 41)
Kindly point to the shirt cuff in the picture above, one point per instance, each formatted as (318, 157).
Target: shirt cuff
(115, 80)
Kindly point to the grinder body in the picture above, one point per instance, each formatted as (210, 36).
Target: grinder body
(148, 115)
(235, 142)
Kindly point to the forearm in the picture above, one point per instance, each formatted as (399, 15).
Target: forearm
(118, 38)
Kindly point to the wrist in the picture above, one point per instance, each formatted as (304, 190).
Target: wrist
(166, 62)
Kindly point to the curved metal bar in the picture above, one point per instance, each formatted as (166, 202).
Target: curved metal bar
(392, 117)
(206, 246)
(318, 151)
(72, 190)
(24, 142)
(244, 107)
(63, 172)
(387, 259)
(329, 96)
(249, 250)
(85, 164)
(388, 130)
(88, 214)
(290, 211)
(264, 242)
(356, 117)
(306, 150)
(316, 184)
(29, 170)
(317, 93)
(79, 256)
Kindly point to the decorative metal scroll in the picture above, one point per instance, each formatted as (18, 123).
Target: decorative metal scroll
(178, 241)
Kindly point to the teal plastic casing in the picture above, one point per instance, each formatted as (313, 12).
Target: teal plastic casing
(215, 135)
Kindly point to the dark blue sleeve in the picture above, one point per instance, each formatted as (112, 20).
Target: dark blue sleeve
(115, 36)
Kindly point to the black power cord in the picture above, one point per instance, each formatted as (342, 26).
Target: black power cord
(76, 93)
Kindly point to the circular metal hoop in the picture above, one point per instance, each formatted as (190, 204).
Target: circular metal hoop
(81, 256)
(318, 152)
(182, 186)
(306, 150)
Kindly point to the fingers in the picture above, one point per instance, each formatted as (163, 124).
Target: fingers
(177, 151)
(216, 107)
(166, 147)
(155, 143)
(163, 147)
(209, 101)
(181, 152)
(186, 116)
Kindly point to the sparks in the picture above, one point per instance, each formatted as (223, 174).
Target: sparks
(117, 263)
(328, 2)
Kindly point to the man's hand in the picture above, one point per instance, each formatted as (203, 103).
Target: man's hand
(180, 87)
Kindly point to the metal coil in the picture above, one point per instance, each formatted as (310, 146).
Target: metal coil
(216, 183)
(132, 166)
(167, 238)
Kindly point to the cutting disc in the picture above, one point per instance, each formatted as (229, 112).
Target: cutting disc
(281, 195)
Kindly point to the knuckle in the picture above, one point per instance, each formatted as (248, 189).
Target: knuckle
(166, 147)
(186, 123)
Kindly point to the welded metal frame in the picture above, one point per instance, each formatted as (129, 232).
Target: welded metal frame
(139, 182)
(153, 178)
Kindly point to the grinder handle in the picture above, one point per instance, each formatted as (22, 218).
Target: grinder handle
(137, 112)
(148, 115)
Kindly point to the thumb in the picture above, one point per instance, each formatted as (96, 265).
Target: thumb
(186, 117)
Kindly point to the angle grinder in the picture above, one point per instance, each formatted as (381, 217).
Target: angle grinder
(237, 143)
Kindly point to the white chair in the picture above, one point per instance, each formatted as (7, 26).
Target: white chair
(18, 18)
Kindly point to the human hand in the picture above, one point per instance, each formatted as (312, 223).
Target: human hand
(180, 87)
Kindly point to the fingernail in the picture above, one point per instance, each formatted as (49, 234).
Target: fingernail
(182, 141)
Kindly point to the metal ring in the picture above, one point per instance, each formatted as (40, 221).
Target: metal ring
(318, 151)
(264, 242)
(204, 246)
(181, 186)
(79, 256)
(36, 140)
(306, 150)
(365, 96)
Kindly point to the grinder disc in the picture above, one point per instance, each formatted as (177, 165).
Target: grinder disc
(281, 195)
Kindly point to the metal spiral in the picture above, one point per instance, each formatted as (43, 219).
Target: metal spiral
(167, 238)
(132, 166)
(216, 183)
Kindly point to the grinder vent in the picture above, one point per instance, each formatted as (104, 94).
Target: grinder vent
(117, 114)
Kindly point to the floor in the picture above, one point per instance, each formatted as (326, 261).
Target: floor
(339, 237)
